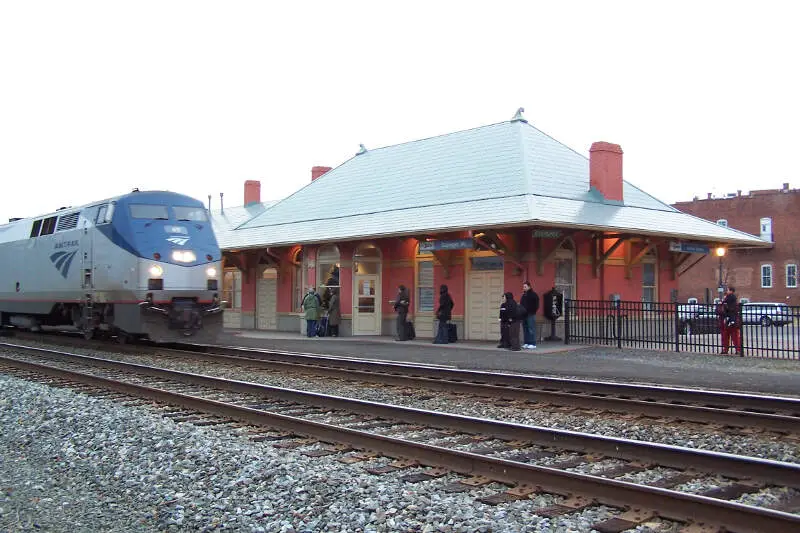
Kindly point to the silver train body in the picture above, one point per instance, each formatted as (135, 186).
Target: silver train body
(142, 265)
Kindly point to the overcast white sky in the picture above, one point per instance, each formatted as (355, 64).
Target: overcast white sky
(196, 97)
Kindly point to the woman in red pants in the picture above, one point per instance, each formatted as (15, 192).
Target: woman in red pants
(731, 323)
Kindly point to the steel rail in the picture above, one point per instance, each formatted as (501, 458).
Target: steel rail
(669, 504)
(739, 403)
(520, 388)
(723, 408)
(678, 457)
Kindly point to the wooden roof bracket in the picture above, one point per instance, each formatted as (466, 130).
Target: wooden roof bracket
(601, 260)
(267, 252)
(239, 260)
(445, 258)
(677, 261)
(630, 262)
(501, 251)
(692, 265)
(541, 259)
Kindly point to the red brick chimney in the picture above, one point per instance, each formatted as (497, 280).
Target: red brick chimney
(316, 172)
(605, 170)
(252, 192)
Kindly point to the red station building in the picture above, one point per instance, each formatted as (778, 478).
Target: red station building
(480, 210)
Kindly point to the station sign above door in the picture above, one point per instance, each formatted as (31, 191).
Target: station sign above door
(688, 247)
(455, 244)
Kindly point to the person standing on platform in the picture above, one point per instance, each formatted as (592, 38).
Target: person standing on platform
(443, 314)
(311, 309)
(512, 315)
(530, 305)
(401, 306)
(334, 313)
(503, 323)
(731, 323)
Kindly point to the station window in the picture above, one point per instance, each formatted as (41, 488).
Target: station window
(791, 276)
(648, 282)
(232, 288)
(766, 276)
(327, 269)
(425, 289)
(565, 261)
(298, 281)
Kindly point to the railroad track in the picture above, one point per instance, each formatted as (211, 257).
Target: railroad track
(583, 468)
(748, 413)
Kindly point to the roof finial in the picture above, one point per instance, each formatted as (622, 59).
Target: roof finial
(361, 149)
(518, 116)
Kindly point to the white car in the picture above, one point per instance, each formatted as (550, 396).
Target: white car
(766, 313)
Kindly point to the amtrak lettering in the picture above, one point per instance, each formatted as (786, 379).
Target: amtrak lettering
(180, 241)
(65, 244)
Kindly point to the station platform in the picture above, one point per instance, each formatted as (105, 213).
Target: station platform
(707, 371)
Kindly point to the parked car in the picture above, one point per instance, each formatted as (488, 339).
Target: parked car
(699, 324)
(766, 313)
(692, 308)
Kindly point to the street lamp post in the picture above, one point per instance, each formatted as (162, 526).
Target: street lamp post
(720, 254)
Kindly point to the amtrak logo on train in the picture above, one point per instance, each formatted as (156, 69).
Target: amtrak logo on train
(180, 241)
(62, 261)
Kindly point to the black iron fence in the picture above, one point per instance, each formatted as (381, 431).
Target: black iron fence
(766, 330)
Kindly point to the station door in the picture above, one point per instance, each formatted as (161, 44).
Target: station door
(484, 290)
(267, 300)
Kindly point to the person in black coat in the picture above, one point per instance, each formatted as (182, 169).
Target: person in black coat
(530, 305)
(401, 306)
(509, 323)
(443, 314)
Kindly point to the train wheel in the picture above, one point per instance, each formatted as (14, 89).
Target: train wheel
(123, 338)
(88, 334)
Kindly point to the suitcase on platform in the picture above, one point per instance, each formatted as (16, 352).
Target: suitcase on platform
(411, 334)
(452, 333)
(322, 327)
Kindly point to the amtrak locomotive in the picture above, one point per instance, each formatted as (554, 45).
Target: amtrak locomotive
(142, 265)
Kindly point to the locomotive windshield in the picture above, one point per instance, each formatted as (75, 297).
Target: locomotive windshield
(194, 214)
(151, 212)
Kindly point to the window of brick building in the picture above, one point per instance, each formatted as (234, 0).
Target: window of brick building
(425, 289)
(766, 276)
(791, 276)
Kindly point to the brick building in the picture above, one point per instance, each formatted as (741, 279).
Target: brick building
(759, 274)
(479, 210)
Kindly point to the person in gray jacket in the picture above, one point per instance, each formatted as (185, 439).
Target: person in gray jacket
(401, 306)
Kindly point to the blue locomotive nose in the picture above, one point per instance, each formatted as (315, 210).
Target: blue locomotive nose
(165, 227)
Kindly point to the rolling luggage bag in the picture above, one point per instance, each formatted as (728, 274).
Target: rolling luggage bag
(411, 334)
(452, 333)
(322, 327)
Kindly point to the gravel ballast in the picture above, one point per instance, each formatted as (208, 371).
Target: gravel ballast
(72, 462)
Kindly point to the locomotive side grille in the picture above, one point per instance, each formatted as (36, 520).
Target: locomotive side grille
(69, 221)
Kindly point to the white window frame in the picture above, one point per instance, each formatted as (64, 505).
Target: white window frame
(427, 258)
(771, 282)
(793, 276)
(232, 292)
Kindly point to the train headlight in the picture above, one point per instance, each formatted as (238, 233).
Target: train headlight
(156, 271)
(184, 256)
(211, 272)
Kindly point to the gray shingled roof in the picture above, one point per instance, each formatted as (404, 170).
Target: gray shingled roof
(494, 176)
